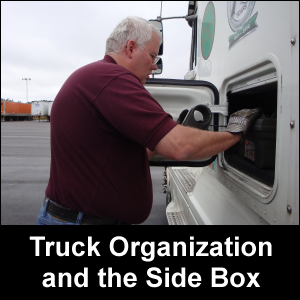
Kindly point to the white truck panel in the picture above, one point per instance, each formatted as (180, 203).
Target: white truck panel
(246, 63)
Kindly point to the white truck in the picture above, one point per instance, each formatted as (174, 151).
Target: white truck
(244, 54)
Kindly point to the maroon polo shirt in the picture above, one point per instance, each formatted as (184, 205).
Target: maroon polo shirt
(102, 120)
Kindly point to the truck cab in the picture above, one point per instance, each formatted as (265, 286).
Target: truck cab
(243, 55)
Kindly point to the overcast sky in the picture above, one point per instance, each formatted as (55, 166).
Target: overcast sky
(47, 41)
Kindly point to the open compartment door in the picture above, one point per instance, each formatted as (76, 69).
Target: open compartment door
(177, 95)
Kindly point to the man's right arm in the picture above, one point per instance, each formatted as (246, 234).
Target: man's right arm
(187, 143)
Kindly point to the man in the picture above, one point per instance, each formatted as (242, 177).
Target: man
(104, 128)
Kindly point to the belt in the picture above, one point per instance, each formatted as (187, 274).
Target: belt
(68, 215)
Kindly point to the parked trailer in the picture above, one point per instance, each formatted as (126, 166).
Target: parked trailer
(15, 111)
(39, 108)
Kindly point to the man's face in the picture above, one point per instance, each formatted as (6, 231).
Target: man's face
(141, 64)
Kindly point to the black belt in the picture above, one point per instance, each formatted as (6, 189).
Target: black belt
(67, 215)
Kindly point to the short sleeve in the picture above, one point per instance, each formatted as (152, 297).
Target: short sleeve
(130, 109)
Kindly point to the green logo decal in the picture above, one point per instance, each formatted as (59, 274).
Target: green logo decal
(238, 13)
(208, 30)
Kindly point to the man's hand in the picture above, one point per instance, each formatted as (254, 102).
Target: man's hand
(242, 120)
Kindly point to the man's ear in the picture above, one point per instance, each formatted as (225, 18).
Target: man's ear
(130, 47)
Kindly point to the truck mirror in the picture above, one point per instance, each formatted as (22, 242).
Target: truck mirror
(159, 67)
(158, 24)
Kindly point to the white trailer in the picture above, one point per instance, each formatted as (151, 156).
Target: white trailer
(39, 108)
(243, 55)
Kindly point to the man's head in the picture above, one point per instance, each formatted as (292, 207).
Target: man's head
(134, 44)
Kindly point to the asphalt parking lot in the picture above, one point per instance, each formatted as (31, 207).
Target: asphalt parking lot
(25, 169)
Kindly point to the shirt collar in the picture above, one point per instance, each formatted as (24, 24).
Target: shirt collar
(109, 59)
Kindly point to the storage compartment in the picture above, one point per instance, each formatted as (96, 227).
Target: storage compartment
(259, 144)
(256, 155)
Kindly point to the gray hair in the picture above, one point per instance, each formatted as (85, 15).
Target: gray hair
(131, 28)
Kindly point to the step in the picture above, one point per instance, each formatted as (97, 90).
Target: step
(186, 179)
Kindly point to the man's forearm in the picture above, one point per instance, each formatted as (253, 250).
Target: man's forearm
(186, 143)
(209, 143)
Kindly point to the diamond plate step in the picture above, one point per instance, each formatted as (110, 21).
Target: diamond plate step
(186, 179)
(175, 218)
